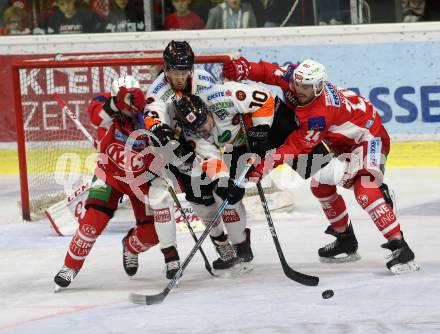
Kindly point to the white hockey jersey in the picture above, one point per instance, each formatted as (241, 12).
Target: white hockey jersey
(225, 102)
(160, 94)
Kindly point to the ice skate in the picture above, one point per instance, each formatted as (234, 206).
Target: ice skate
(343, 249)
(226, 251)
(401, 257)
(64, 277)
(245, 255)
(172, 261)
(172, 268)
(129, 260)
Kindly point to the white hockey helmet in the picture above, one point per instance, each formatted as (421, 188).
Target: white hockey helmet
(126, 81)
(310, 72)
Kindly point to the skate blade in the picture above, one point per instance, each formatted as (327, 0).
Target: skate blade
(348, 258)
(239, 269)
(58, 288)
(404, 268)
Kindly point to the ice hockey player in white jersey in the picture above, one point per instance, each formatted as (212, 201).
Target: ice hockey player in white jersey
(210, 122)
(180, 76)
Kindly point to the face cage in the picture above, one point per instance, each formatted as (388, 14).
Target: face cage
(314, 85)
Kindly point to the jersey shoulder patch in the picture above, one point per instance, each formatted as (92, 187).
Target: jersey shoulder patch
(157, 85)
(204, 76)
(332, 96)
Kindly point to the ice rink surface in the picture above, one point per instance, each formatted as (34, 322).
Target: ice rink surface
(368, 298)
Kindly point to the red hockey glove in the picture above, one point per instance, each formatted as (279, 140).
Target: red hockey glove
(236, 69)
(257, 173)
(132, 98)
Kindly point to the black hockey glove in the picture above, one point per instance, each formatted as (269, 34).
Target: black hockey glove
(259, 139)
(225, 188)
(111, 109)
(162, 134)
(184, 149)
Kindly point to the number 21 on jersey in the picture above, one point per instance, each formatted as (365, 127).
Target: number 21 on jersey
(312, 135)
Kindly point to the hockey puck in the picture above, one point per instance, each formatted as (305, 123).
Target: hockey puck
(327, 294)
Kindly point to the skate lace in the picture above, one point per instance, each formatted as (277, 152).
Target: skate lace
(131, 260)
(226, 251)
(173, 265)
(330, 246)
(394, 254)
(67, 273)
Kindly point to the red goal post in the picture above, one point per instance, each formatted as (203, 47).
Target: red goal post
(54, 156)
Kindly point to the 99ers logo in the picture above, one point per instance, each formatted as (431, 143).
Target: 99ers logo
(125, 159)
(298, 77)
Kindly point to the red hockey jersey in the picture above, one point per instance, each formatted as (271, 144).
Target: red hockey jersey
(339, 118)
(118, 162)
(272, 74)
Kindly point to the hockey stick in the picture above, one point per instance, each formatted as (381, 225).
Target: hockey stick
(80, 127)
(75, 120)
(182, 212)
(288, 271)
(159, 298)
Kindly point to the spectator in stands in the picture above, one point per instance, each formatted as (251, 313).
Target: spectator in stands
(231, 14)
(270, 13)
(71, 18)
(412, 10)
(183, 17)
(329, 12)
(16, 19)
(125, 16)
(3, 5)
(202, 7)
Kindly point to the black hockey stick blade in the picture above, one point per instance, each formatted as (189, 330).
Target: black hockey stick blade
(149, 299)
(210, 270)
(301, 278)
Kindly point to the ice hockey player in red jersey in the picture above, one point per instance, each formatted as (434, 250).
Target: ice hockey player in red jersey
(351, 127)
(116, 115)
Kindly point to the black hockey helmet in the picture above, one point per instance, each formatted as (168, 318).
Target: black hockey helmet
(178, 55)
(191, 111)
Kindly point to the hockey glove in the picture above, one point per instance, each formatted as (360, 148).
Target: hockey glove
(162, 133)
(259, 139)
(257, 173)
(184, 149)
(236, 69)
(130, 99)
(225, 188)
(110, 108)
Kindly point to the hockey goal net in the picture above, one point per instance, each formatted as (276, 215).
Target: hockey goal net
(55, 158)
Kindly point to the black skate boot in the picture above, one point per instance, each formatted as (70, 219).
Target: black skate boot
(227, 258)
(343, 249)
(402, 257)
(243, 249)
(388, 195)
(129, 260)
(172, 261)
(64, 277)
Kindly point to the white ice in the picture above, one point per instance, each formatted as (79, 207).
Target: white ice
(368, 298)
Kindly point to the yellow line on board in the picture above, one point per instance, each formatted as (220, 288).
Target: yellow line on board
(414, 154)
(402, 154)
(8, 162)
